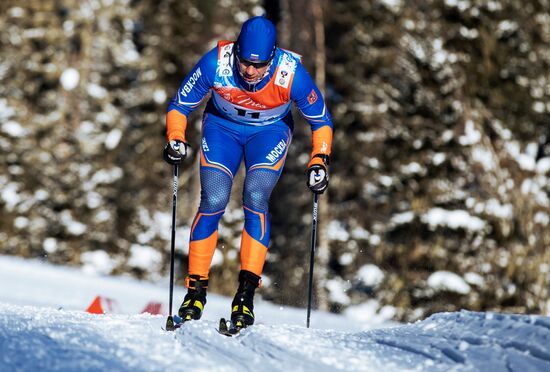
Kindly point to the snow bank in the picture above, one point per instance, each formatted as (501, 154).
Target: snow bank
(77, 341)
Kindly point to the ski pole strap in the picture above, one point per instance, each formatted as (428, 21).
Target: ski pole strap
(324, 157)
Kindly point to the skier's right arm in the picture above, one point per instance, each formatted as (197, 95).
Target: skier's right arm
(193, 89)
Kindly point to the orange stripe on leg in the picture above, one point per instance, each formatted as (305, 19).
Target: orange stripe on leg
(201, 253)
(253, 254)
(262, 220)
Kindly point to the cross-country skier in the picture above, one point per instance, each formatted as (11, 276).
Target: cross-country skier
(253, 83)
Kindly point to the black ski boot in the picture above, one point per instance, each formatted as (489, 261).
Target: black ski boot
(195, 299)
(242, 307)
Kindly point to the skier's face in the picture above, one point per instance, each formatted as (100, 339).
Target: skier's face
(252, 72)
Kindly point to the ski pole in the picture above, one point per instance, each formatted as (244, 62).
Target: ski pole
(170, 321)
(312, 255)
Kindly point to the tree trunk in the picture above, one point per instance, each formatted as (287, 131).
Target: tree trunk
(308, 39)
(323, 249)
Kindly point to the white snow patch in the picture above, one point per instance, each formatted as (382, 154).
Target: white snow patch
(113, 139)
(506, 27)
(16, 12)
(68, 27)
(34, 33)
(14, 129)
(102, 216)
(462, 5)
(41, 194)
(360, 233)
(440, 56)
(105, 117)
(50, 245)
(484, 157)
(494, 208)
(543, 165)
(97, 263)
(474, 279)
(447, 135)
(370, 275)
(128, 53)
(471, 134)
(21, 222)
(159, 96)
(375, 239)
(337, 288)
(448, 281)
(494, 6)
(525, 161)
(386, 181)
(103, 176)
(93, 200)
(163, 221)
(393, 5)
(6, 111)
(413, 168)
(9, 193)
(539, 107)
(73, 227)
(144, 257)
(371, 311)
(69, 79)
(217, 259)
(454, 219)
(372, 162)
(535, 187)
(469, 33)
(336, 231)
(97, 91)
(541, 218)
(402, 218)
(60, 334)
(438, 158)
(345, 258)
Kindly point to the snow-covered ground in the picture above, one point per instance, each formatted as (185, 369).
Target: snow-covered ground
(42, 326)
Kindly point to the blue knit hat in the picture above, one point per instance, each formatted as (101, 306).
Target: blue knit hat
(257, 40)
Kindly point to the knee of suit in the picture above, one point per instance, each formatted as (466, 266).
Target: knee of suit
(215, 190)
(256, 199)
(257, 188)
(214, 201)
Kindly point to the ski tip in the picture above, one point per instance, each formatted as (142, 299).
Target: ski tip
(170, 326)
(229, 331)
(173, 322)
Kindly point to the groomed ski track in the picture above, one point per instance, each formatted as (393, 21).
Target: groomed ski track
(34, 338)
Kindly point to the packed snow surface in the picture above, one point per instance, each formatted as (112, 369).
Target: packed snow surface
(47, 337)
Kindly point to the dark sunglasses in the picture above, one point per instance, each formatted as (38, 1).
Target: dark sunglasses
(256, 65)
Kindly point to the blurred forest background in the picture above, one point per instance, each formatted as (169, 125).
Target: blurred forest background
(439, 193)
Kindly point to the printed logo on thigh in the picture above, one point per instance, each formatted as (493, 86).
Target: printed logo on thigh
(275, 157)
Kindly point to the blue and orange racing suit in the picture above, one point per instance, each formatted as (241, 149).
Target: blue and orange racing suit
(250, 121)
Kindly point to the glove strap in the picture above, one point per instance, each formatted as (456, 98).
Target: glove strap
(324, 157)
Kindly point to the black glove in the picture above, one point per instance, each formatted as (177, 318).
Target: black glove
(317, 176)
(175, 151)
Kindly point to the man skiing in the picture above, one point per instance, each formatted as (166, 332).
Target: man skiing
(253, 83)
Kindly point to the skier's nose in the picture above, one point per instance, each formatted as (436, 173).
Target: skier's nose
(250, 70)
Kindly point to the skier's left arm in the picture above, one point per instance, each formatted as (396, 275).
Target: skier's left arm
(310, 102)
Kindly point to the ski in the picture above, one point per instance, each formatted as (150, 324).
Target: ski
(231, 330)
